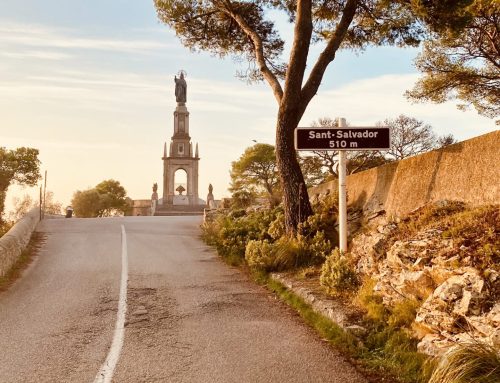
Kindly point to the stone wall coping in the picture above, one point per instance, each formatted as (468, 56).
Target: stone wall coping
(16, 239)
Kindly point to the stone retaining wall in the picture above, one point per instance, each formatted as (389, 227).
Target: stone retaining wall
(141, 207)
(467, 171)
(15, 240)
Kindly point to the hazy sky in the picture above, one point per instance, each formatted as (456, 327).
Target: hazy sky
(90, 84)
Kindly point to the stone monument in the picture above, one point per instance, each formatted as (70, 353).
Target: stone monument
(180, 155)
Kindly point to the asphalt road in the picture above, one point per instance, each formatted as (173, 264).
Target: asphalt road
(189, 318)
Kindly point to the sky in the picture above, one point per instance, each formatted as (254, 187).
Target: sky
(90, 84)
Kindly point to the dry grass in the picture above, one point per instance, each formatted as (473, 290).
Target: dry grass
(472, 362)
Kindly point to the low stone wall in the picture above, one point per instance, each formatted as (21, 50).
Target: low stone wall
(15, 240)
(141, 207)
(467, 171)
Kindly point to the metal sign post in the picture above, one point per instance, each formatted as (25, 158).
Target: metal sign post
(343, 139)
(342, 195)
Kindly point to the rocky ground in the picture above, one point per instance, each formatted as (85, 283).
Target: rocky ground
(445, 257)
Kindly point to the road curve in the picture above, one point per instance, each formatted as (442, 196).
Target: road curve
(190, 318)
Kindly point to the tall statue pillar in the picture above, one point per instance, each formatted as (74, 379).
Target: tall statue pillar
(180, 156)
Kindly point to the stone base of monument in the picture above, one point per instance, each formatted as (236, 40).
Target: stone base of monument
(179, 210)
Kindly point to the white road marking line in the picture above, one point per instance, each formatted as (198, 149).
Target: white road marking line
(108, 367)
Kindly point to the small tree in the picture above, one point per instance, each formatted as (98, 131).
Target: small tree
(87, 203)
(313, 169)
(113, 198)
(107, 199)
(255, 172)
(20, 166)
(409, 137)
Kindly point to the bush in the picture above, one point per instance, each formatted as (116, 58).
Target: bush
(323, 221)
(472, 362)
(277, 227)
(337, 274)
(291, 252)
(230, 232)
(259, 255)
(283, 254)
(287, 252)
(319, 247)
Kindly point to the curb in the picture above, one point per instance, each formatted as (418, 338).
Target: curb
(334, 310)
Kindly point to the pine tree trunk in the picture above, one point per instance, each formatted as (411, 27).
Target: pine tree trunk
(295, 198)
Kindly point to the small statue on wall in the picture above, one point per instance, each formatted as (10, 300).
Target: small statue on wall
(154, 198)
(210, 197)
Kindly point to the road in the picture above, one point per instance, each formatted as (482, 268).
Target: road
(189, 317)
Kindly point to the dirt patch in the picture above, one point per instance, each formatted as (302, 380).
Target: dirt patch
(149, 308)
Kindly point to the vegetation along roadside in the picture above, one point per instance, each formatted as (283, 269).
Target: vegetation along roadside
(439, 249)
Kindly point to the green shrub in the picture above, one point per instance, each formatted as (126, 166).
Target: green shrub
(337, 274)
(210, 232)
(283, 254)
(471, 362)
(237, 213)
(230, 231)
(259, 255)
(277, 227)
(291, 252)
(319, 247)
(320, 222)
(286, 253)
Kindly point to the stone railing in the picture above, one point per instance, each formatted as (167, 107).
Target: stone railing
(15, 240)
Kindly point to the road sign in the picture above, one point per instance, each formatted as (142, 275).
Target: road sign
(356, 138)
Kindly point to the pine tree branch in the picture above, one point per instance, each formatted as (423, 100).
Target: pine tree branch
(228, 9)
(328, 55)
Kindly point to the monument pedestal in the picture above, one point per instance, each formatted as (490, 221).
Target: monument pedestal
(176, 210)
